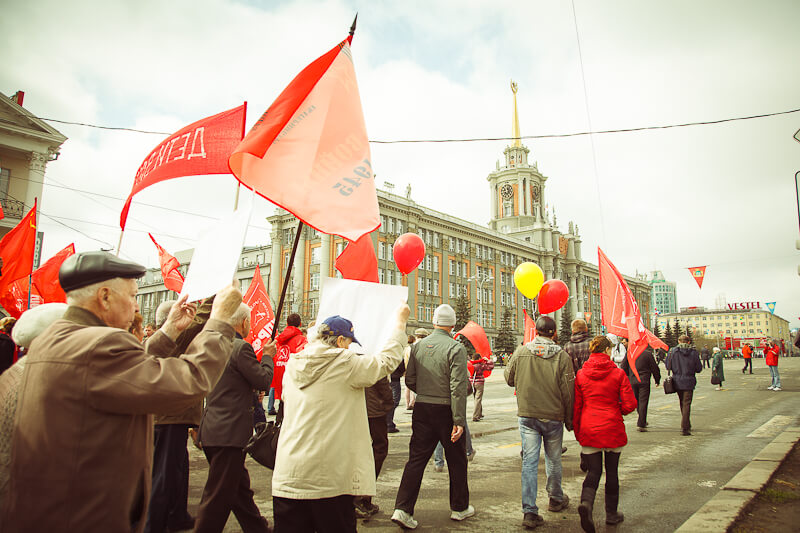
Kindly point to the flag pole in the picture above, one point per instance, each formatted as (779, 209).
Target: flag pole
(35, 225)
(286, 279)
(119, 244)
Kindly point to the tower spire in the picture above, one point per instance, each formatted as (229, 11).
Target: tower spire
(516, 143)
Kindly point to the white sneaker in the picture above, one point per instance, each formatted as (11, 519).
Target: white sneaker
(462, 515)
(438, 468)
(777, 388)
(404, 520)
(770, 388)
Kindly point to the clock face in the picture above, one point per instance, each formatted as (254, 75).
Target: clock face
(506, 191)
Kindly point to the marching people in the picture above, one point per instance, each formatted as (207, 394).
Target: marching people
(747, 354)
(684, 362)
(717, 372)
(578, 344)
(324, 455)
(437, 372)
(620, 350)
(602, 396)
(290, 341)
(771, 358)
(394, 383)
(705, 355)
(149, 329)
(544, 379)
(225, 429)
(81, 449)
(411, 396)
(479, 365)
(646, 366)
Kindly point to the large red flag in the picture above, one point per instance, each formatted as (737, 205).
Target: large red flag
(309, 152)
(200, 148)
(698, 273)
(45, 278)
(477, 336)
(262, 319)
(173, 279)
(358, 261)
(530, 328)
(16, 250)
(620, 311)
(15, 298)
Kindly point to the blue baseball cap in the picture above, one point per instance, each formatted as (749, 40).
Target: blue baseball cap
(341, 326)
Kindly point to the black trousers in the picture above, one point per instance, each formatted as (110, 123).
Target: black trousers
(396, 397)
(685, 400)
(706, 363)
(430, 425)
(594, 462)
(748, 362)
(642, 393)
(380, 441)
(227, 489)
(326, 515)
(170, 479)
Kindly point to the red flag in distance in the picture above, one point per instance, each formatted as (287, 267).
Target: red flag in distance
(173, 279)
(16, 250)
(530, 328)
(698, 273)
(262, 318)
(45, 278)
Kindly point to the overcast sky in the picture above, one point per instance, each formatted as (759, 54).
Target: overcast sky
(717, 195)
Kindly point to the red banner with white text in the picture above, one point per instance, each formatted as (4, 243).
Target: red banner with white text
(262, 318)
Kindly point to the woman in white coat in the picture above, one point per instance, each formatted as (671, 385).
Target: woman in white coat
(324, 453)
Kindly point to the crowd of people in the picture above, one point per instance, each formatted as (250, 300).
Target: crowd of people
(98, 407)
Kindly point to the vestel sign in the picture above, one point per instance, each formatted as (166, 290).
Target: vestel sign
(744, 305)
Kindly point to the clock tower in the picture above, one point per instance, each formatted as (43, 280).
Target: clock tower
(517, 191)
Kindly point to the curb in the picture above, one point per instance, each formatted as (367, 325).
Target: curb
(487, 432)
(721, 511)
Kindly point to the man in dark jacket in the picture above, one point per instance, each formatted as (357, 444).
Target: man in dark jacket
(646, 366)
(578, 344)
(684, 362)
(705, 355)
(226, 427)
(379, 402)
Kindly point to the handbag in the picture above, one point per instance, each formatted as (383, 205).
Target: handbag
(715, 380)
(669, 386)
(263, 446)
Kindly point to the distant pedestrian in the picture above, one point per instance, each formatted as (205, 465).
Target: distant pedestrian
(149, 329)
(437, 372)
(747, 353)
(544, 380)
(135, 328)
(705, 355)
(397, 391)
(480, 365)
(717, 371)
(578, 344)
(620, 350)
(411, 396)
(602, 396)
(290, 341)
(771, 358)
(684, 362)
(646, 366)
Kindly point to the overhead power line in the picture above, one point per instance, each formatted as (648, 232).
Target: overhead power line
(483, 139)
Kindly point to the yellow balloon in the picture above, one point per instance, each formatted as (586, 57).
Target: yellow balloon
(528, 278)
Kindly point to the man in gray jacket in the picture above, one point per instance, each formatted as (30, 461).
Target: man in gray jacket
(437, 372)
(226, 427)
(542, 374)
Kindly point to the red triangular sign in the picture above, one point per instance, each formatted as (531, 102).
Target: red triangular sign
(698, 273)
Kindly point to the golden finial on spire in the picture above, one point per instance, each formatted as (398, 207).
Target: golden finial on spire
(515, 126)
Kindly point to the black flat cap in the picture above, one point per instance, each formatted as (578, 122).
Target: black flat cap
(83, 269)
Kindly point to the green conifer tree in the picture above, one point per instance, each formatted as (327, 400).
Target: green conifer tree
(463, 312)
(505, 343)
(565, 331)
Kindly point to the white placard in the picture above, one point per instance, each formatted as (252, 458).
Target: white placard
(371, 307)
(216, 255)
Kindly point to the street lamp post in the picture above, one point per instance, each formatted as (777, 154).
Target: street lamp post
(480, 279)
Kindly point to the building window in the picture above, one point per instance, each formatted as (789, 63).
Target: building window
(315, 252)
(428, 314)
(428, 286)
(420, 285)
(381, 250)
(390, 253)
(380, 275)
(389, 277)
(315, 281)
(435, 264)
(436, 287)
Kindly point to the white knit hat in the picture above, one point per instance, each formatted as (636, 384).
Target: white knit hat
(444, 316)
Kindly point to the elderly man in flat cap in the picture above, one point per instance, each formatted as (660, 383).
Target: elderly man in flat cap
(83, 432)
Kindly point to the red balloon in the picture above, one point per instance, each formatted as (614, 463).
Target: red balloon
(553, 296)
(409, 251)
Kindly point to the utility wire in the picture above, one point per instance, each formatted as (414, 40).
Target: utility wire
(483, 139)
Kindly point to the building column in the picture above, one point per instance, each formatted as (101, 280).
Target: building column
(275, 271)
(494, 200)
(36, 167)
(299, 271)
(573, 290)
(520, 197)
(581, 308)
(325, 260)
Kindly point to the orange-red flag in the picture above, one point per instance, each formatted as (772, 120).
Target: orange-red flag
(530, 328)
(477, 336)
(698, 273)
(262, 318)
(173, 279)
(358, 261)
(309, 152)
(16, 250)
(45, 278)
(200, 148)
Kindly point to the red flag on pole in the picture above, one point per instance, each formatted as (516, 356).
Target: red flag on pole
(358, 261)
(16, 250)
(173, 279)
(477, 336)
(309, 152)
(530, 328)
(620, 311)
(262, 319)
(698, 273)
(15, 298)
(200, 148)
(45, 278)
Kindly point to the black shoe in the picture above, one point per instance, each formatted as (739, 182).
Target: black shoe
(686, 433)
(187, 524)
(641, 429)
(532, 521)
(556, 506)
(393, 430)
(614, 518)
(585, 512)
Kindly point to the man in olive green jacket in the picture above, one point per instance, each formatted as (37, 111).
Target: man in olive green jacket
(543, 375)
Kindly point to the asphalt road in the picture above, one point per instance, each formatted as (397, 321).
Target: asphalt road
(664, 477)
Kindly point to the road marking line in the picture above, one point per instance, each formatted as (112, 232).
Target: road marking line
(510, 445)
(700, 397)
(771, 427)
(665, 407)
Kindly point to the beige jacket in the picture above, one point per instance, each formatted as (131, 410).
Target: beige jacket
(82, 446)
(324, 449)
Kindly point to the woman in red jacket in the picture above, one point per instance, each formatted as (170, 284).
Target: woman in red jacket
(602, 395)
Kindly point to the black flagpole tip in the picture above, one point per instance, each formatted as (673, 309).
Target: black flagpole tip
(353, 27)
